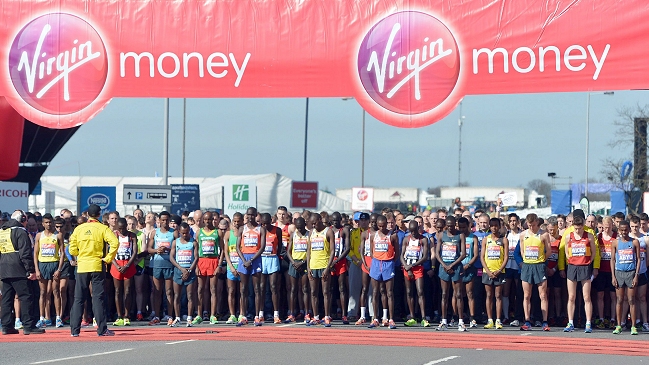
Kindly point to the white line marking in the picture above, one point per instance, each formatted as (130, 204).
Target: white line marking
(445, 359)
(173, 343)
(286, 325)
(525, 334)
(80, 356)
(478, 349)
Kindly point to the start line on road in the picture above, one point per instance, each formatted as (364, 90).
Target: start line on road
(294, 334)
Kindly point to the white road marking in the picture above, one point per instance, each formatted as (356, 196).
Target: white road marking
(286, 325)
(478, 349)
(173, 343)
(445, 359)
(80, 356)
(525, 334)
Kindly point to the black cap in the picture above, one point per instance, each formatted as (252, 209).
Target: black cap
(94, 210)
(579, 212)
(364, 216)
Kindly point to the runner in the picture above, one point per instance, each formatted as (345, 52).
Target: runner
(555, 281)
(232, 259)
(359, 279)
(210, 255)
(641, 288)
(249, 247)
(534, 248)
(270, 264)
(603, 282)
(580, 248)
(469, 271)
(319, 256)
(625, 260)
(123, 269)
(340, 264)
(415, 253)
(284, 224)
(48, 260)
(494, 261)
(513, 274)
(451, 250)
(66, 279)
(184, 257)
(384, 248)
(159, 245)
(297, 247)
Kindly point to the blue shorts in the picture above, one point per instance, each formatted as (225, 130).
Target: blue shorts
(163, 273)
(269, 264)
(231, 276)
(253, 269)
(469, 274)
(382, 270)
(457, 274)
(178, 277)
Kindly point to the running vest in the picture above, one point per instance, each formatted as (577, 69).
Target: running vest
(605, 251)
(367, 252)
(272, 244)
(299, 245)
(413, 250)
(338, 246)
(533, 248)
(49, 248)
(450, 247)
(286, 235)
(162, 240)
(125, 248)
(578, 250)
(513, 239)
(553, 258)
(184, 253)
(320, 249)
(66, 246)
(232, 249)
(383, 249)
(643, 255)
(208, 244)
(140, 243)
(494, 252)
(625, 258)
(250, 240)
(469, 249)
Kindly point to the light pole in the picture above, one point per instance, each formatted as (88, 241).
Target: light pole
(459, 152)
(165, 155)
(306, 135)
(362, 147)
(184, 124)
(588, 136)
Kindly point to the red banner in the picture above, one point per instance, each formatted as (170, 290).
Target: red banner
(407, 62)
(11, 139)
(304, 194)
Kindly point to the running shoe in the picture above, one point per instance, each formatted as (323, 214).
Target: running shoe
(213, 320)
(360, 322)
(527, 326)
(166, 318)
(242, 321)
(385, 322)
(345, 320)
(18, 324)
(569, 328)
(546, 327)
(48, 322)
(206, 317)
(499, 325)
(174, 323)
(170, 322)
(411, 322)
(538, 324)
(392, 325)
(127, 322)
(473, 324)
(40, 324)
(139, 317)
(461, 327)
(425, 323)
(442, 327)
(515, 323)
(375, 323)
(276, 320)
(489, 325)
(94, 323)
(199, 320)
(59, 323)
(588, 328)
(634, 331)
(645, 327)
(327, 321)
(289, 319)
(258, 321)
(452, 323)
(118, 322)
(155, 321)
(84, 323)
(600, 324)
(617, 330)
(189, 322)
(299, 317)
(66, 320)
(107, 332)
(505, 321)
(314, 322)
(307, 319)
(231, 320)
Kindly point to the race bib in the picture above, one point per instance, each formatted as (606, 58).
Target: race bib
(532, 253)
(48, 249)
(234, 258)
(208, 247)
(511, 251)
(124, 249)
(493, 253)
(300, 246)
(250, 241)
(164, 244)
(578, 249)
(606, 253)
(317, 244)
(380, 247)
(268, 250)
(184, 257)
(449, 252)
(413, 252)
(626, 256)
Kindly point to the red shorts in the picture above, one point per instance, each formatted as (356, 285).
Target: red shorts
(368, 262)
(417, 271)
(207, 265)
(340, 268)
(129, 273)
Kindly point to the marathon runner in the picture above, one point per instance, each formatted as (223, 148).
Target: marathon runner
(270, 264)
(534, 249)
(210, 255)
(184, 257)
(297, 248)
(249, 249)
(319, 256)
(123, 269)
(451, 250)
(48, 260)
(415, 253)
(233, 261)
(625, 261)
(494, 257)
(159, 245)
(340, 263)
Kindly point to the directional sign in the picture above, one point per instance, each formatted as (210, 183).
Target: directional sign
(147, 194)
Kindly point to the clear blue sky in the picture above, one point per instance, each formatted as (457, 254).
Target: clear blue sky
(507, 140)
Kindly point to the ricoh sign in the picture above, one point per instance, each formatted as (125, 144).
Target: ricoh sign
(407, 62)
(13, 196)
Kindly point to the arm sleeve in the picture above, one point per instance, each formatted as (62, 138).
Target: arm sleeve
(111, 239)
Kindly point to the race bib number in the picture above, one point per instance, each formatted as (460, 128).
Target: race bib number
(317, 244)
(208, 247)
(184, 257)
(234, 258)
(606, 253)
(512, 249)
(299, 246)
(413, 252)
(578, 249)
(380, 247)
(493, 253)
(449, 252)
(268, 250)
(124, 249)
(48, 250)
(532, 253)
(250, 241)
(626, 256)
(164, 244)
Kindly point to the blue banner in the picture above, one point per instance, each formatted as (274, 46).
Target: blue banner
(185, 198)
(104, 196)
(561, 202)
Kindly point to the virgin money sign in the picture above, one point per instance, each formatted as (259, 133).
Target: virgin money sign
(407, 62)
(363, 199)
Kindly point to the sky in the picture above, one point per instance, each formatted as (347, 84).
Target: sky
(507, 140)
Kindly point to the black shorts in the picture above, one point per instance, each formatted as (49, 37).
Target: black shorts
(148, 270)
(603, 282)
(67, 271)
(643, 279)
(555, 281)
(139, 270)
(579, 272)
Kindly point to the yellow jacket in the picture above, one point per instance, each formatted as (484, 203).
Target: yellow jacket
(87, 244)
(562, 247)
(355, 242)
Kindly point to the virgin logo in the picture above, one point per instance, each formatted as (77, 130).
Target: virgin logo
(362, 195)
(409, 62)
(58, 64)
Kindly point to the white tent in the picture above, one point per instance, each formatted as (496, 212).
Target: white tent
(273, 190)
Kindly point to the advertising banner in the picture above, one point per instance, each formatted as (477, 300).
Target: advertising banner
(407, 62)
(104, 196)
(185, 198)
(13, 195)
(363, 199)
(238, 197)
(304, 194)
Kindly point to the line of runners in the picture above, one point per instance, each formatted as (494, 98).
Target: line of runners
(435, 259)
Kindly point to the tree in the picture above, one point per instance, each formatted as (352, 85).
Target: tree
(542, 187)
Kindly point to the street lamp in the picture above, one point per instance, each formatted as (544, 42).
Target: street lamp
(588, 134)
(552, 175)
(459, 152)
(362, 148)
